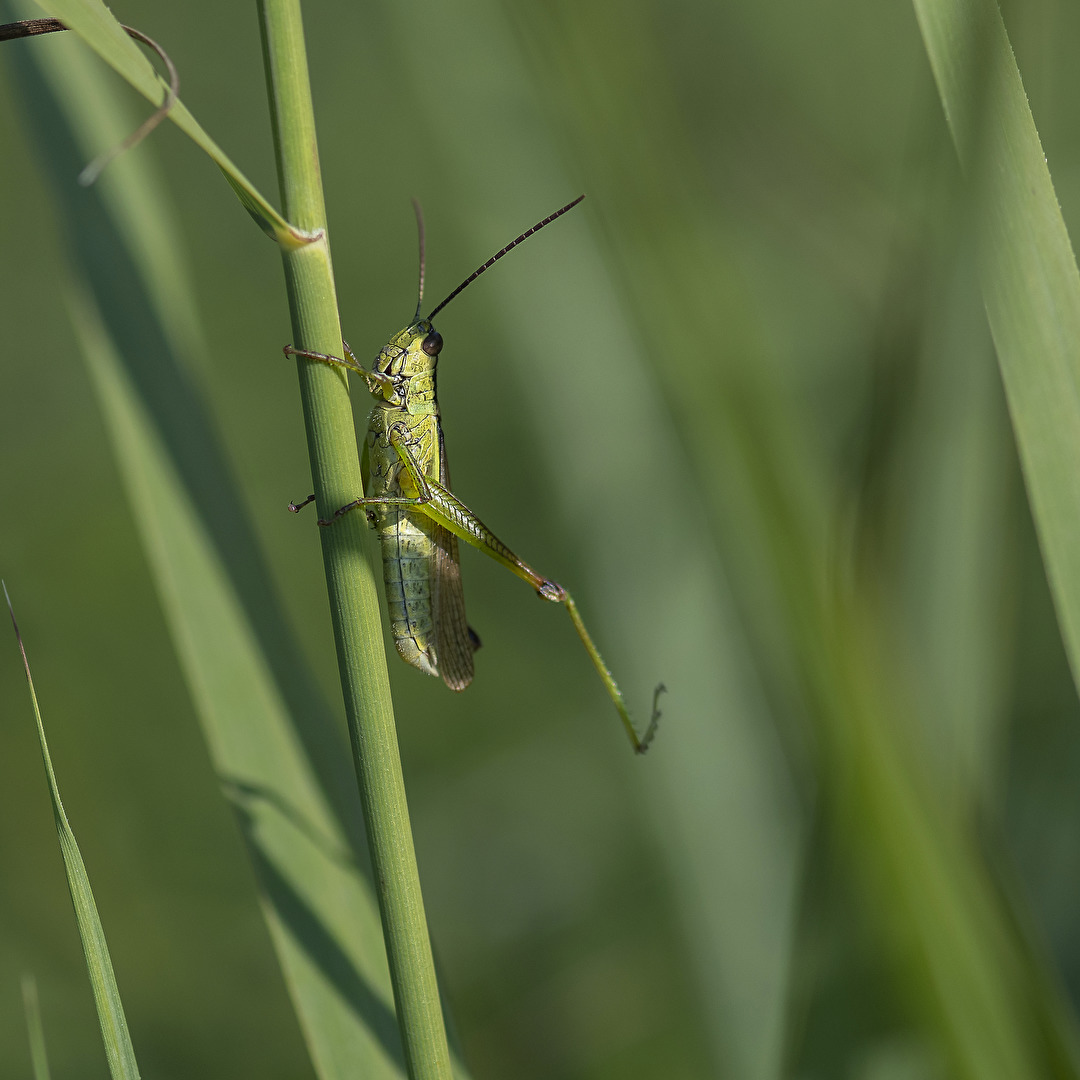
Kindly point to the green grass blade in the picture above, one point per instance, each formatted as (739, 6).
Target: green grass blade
(272, 738)
(1030, 282)
(92, 21)
(110, 1010)
(39, 1058)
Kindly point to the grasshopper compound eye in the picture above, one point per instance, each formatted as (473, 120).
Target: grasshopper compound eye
(432, 344)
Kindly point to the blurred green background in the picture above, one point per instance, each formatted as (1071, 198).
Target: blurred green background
(749, 374)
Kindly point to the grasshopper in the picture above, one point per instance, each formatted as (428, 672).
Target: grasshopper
(409, 502)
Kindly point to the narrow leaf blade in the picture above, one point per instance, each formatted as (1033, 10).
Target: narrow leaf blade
(1030, 282)
(110, 1010)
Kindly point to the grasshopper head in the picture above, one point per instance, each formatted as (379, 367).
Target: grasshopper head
(412, 351)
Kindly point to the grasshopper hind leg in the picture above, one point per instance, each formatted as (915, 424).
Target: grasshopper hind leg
(446, 509)
(640, 742)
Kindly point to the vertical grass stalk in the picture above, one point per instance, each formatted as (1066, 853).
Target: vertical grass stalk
(350, 583)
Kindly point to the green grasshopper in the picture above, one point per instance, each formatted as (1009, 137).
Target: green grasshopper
(419, 520)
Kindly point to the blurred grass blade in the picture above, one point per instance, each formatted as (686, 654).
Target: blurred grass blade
(39, 1059)
(825, 644)
(114, 1030)
(317, 902)
(948, 935)
(273, 740)
(953, 525)
(92, 21)
(1030, 282)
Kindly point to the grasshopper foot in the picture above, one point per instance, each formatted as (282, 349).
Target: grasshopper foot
(295, 508)
(654, 721)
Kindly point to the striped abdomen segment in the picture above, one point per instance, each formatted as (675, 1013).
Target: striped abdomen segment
(408, 568)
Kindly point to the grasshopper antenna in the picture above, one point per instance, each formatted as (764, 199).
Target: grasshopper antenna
(420, 232)
(499, 254)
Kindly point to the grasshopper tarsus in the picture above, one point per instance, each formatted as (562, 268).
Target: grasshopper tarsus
(643, 744)
(295, 508)
(292, 350)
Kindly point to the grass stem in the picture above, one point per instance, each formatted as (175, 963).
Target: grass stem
(350, 582)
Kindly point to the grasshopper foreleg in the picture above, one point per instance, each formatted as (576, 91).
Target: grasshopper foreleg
(376, 381)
